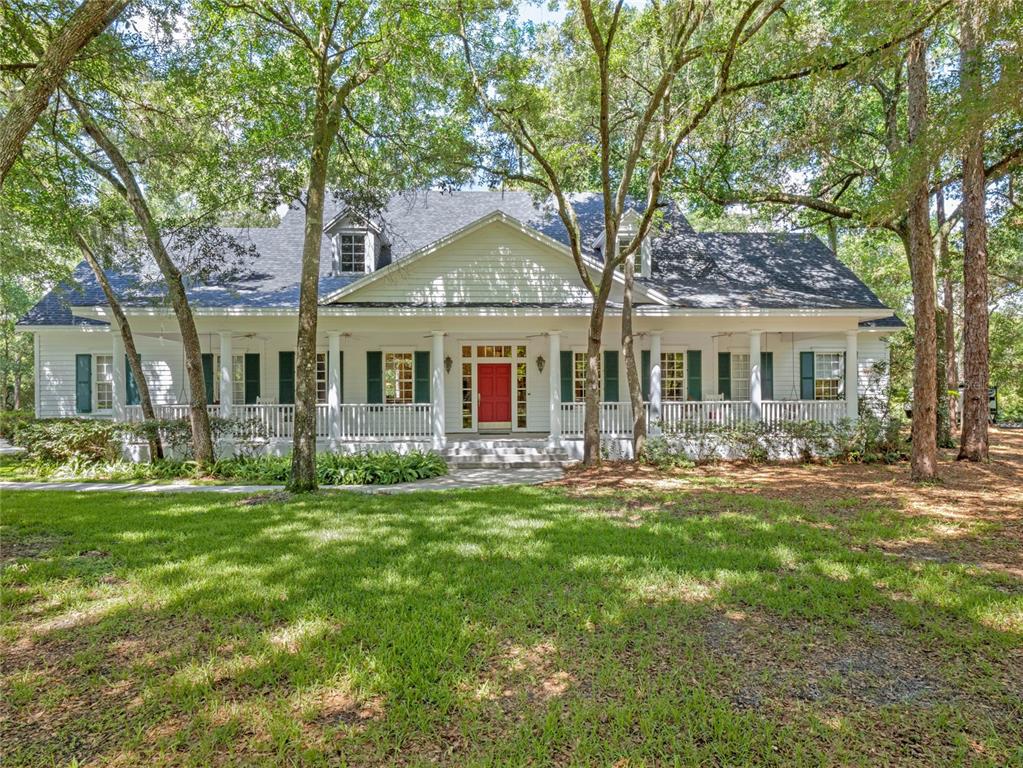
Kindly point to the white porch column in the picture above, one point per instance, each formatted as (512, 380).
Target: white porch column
(226, 387)
(120, 383)
(334, 383)
(440, 439)
(554, 366)
(755, 392)
(852, 367)
(655, 381)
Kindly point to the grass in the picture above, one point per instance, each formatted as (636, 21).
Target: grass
(701, 625)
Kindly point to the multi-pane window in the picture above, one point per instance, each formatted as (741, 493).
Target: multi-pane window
(351, 253)
(104, 382)
(520, 393)
(493, 350)
(237, 379)
(467, 393)
(740, 376)
(827, 375)
(579, 376)
(398, 379)
(673, 376)
(321, 377)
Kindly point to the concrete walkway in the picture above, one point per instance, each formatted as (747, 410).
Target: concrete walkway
(455, 480)
(6, 449)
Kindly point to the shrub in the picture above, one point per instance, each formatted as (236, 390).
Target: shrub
(868, 439)
(70, 440)
(378, 468)
(12, 421)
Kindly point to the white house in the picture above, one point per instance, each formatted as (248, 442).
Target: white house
(452, 318)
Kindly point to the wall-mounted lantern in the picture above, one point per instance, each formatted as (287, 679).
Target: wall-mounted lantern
(540, 363)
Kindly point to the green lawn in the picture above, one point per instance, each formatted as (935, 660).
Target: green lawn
(497, 627)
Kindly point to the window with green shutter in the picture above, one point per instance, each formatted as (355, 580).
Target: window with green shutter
(252, 378)
(611, 376)
(132, 386)
(725, 374)
(286, 377)
(421, 372)
(767, 375)
(341, 376)
(374, 376)
(83, 383)
(694, 374)
(806, 376)
(567, 380)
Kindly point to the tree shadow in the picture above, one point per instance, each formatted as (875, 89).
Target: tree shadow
(365, 626)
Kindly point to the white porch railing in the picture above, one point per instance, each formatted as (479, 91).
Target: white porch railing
(615, 419)
(828, 411)
(723, 413)
(359, 421)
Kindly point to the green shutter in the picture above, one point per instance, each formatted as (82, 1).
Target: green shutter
(286, 377)
(341, 377)
(725, 374)
(374, 376)
(252, 378)
(644, 372)
(83, 383)
(567, 388)
(207, 375)
(806, 388)
(421, 372)
(611, 376)
(132, 387)
(767, 375)
(694, 374)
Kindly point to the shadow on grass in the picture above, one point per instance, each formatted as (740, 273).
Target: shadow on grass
(499, 625)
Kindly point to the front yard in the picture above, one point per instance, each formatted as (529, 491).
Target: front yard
(771, 616)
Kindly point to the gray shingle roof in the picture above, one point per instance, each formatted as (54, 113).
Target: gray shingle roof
(700, 270)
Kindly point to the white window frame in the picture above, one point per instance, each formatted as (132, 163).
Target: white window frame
(579, 383)
(839, 381)
(322, 382)
(684, 380)
(740, 384)
(339, 252)
(237, 378)
(106, 380)
(389, 352)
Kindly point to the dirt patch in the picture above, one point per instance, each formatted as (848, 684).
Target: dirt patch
(14, 548)
(785, 664)
(275, 497)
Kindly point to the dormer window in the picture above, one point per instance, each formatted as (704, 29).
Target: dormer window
(350, 252)
(640, 257)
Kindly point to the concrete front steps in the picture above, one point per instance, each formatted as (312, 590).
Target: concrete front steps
(505, 453)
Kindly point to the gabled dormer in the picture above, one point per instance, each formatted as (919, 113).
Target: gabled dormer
(355, 244)
(642, 257)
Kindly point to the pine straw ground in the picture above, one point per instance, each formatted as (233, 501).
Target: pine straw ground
(779, 615)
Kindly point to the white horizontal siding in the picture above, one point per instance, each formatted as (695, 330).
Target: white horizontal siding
(496, 264)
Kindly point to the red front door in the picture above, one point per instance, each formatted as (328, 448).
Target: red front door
(493, 382)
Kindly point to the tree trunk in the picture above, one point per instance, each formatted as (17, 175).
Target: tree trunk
(639, 427)
(17, 380)
(134, 361)
(974, 439)
(923, 459)
(951, 363)
(202, 440)
(943, 426)
(591, 428)
(303, 457)
(88, 20)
